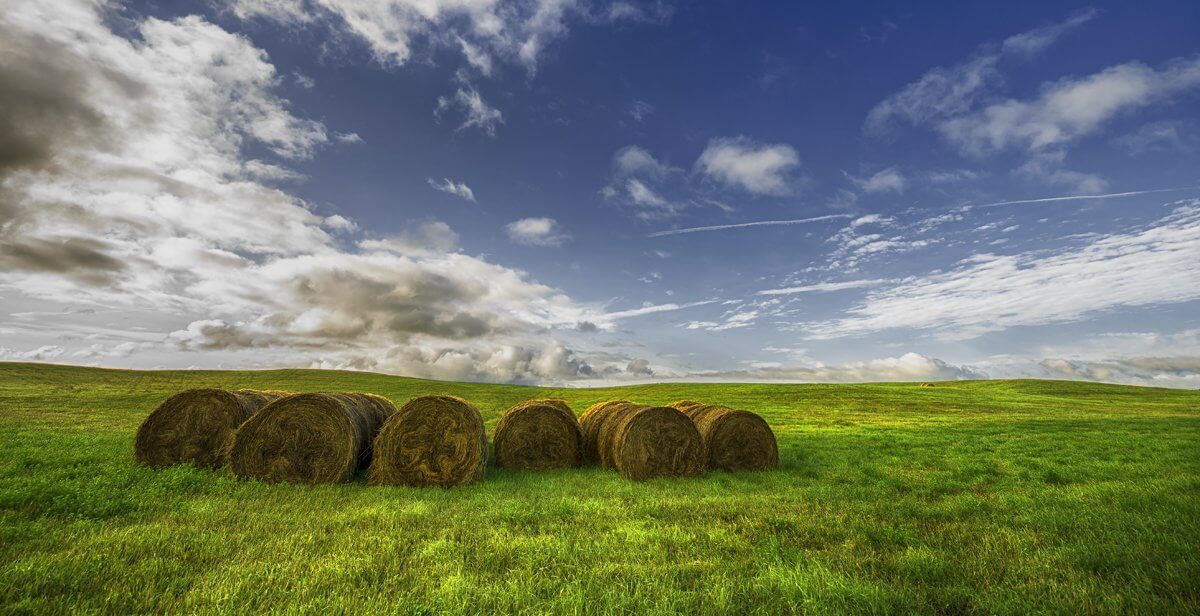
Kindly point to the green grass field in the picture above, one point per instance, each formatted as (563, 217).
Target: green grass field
(967, 497)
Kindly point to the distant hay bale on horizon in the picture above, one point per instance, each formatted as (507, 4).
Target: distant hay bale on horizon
(538, 435)
(735, 440)
(195, 426)
(430, 441)
(642, 442)
(309, 438)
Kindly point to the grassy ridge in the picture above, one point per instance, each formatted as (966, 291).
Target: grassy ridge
(991, 496)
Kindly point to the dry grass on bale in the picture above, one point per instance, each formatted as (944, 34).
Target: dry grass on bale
(309, 438)
(734, 440)
(641, 442)
(538, 435)
(195, 426)
(431, 441)
(589, 427)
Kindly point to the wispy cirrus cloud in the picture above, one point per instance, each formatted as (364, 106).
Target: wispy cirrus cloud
(639, 182)
(1071, 108)
(608, 317)
(824, 287)
(749, 225)
(961, 103)
(987, 292)
(475, 112)
(944, 92)
(886, 180)
(486, 33)
(458, 189)
(1118, 195)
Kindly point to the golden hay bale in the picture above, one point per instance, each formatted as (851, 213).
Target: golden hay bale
(735, 440)
(538, 435)
(196, 426)
(641, 442)
(590, 424)
(431, 441)
(309, 438)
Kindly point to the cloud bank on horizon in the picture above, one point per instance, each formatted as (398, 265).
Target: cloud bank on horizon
(542, 192)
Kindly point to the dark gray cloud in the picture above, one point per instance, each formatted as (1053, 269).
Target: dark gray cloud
(639, 367)
(43, 111)
(43, 105)
(79, 258)
(416, 302)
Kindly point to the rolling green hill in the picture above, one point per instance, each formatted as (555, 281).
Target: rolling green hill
(965, 497)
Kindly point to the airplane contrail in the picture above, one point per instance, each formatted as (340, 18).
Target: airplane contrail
(1132, 193)
(761, 223)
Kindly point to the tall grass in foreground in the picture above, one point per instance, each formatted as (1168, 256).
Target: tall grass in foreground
(992, 496)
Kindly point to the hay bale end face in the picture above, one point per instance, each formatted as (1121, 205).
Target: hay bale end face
(735, 440)
(431, 441)
(655, 441)
(538, 435)
(196, 426)
(641, 442)
(309, 438)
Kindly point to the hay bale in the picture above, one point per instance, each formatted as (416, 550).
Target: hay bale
(309, 438)
(641, 442)
(431, 441)
(538, 435)
(196, 426)
(735, 440)
(590, 424)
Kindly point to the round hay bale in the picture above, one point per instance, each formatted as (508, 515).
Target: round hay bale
(735, 440)
(309, 438)
(196, 426)
(538, 435)
(431, 441)
(590, 424)
(641, 442)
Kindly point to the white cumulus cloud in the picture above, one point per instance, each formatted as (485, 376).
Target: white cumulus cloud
(762, 169)
(538, 231)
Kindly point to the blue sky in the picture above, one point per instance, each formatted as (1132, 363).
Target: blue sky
(561, 191)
